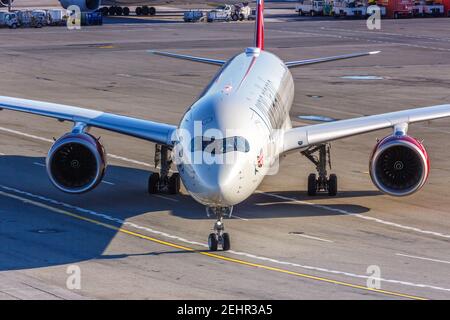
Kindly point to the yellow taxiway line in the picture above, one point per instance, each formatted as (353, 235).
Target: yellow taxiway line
(207, 253)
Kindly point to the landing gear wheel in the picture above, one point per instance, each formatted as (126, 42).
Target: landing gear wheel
(212, 242)
(226, 244)
(138, 11)
(145, 10)
(152, 11)
(126, 11)
(153, 183)
(332, 185)
(320, 156)
(174, 183)
(119, 11)
(112, 11)
(312, 185)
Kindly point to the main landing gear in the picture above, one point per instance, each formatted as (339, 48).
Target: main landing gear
(162, 182)
(219, 238)
(323, 182)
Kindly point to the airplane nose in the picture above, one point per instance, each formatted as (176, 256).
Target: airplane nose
(219, 187)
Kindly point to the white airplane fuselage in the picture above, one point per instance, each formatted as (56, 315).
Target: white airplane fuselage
(247, 103)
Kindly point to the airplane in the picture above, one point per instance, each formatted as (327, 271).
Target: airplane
(243, 113)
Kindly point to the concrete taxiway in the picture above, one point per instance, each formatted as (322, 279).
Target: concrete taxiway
(285, 245)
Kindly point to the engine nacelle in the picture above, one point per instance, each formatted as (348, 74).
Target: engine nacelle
(76, 163)
(84, 5)
(399, 165)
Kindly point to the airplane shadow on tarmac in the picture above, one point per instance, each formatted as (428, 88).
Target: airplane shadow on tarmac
(32, 236)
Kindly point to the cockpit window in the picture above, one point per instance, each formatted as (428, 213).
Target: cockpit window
(217, 146)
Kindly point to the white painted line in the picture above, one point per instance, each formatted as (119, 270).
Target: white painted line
(26, 135)
(274, 203)
(164, 197)
(107, 182)
(358, 215)
(110, 155)
(240, 218)
(311, 237)
(39, 164)
(422, 258)
(204, 245)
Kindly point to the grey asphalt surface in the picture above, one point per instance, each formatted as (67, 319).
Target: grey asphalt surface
(334, 239)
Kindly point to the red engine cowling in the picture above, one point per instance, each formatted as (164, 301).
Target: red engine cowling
(399, 165)
(76, 163)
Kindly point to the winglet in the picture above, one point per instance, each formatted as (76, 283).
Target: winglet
(259, 34)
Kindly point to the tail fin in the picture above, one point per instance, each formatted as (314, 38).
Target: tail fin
(259, 35)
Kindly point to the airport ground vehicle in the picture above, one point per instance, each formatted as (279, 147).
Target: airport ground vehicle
(194, 16)
(56, 17)
(388, 8)
(223, 158)
(33, 19)
(242, 11)
(222, 13)
(308, 7)
(125, 11)
(91, 18)
(424, 8)
(9, 19)
(397, 8)
(350, 8)
(239, 11)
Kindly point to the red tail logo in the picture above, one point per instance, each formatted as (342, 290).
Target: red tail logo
(260, 24)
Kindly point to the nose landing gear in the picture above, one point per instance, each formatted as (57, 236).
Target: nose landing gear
(219, 237)
(323, 182)
(162, 182)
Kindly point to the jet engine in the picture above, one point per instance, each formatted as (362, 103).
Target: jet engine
(399, 165)
(76, 162)
(84, 5)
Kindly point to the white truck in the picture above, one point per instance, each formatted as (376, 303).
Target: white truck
(238, 11)
(242, 11)
(313, 8)
(57, 17)
(9, 19)
(349, 8)
(222, 13)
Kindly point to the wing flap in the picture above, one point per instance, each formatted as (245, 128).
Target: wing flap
(143, 129)
(320, 133)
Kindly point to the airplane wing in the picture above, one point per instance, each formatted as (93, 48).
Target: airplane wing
(299, 63)
(148, 130)
(305, 136)
(190, 58)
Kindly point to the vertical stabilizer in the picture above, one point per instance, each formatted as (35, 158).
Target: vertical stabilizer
(259, 35)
